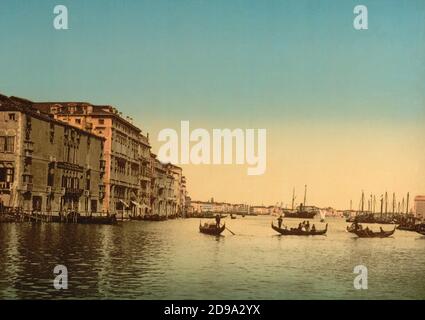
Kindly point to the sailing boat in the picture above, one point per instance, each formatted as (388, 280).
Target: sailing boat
(322, 215)
(301, 212)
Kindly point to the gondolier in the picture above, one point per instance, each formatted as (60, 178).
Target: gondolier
(279, 221)
(217, 220)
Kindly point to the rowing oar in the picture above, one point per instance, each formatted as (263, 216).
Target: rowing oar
(230, 231)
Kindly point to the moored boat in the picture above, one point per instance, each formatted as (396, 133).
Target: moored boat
(302, 211)
(211, 228)
(299, 232)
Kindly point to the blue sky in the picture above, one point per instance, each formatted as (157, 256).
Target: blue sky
(279, 60)
(353, 99)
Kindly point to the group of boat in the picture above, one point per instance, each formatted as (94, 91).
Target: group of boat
(305, 230)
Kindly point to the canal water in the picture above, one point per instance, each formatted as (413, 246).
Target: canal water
(172, 260)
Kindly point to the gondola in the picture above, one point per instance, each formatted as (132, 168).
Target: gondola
(211, 229)
(422, 232)
(298, 232)
(353, 227)
(420, 228)
(364, 233)
(232, 216)
(406, 227)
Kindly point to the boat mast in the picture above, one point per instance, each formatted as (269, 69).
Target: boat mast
(362, 201)
(293, 198)
(402, 206)
(305, 195)
(382, 205)
(374, 203)
(393, 203)
(386, 204)
(407, 204)
(371, 203)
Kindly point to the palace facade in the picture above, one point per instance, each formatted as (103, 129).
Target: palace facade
(129, 180)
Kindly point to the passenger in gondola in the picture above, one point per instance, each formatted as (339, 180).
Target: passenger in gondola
(279, 221)
(300, 226)
(367, 230)
(313, 228)
(307, 226)
(217, 220)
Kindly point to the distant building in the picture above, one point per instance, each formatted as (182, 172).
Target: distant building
(47, 165)
(260, 210)
(420, 207)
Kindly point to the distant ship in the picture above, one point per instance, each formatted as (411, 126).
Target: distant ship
(302, 211)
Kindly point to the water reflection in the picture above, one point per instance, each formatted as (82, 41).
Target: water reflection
(172, 260)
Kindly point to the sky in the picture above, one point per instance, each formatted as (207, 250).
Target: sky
(344, 109)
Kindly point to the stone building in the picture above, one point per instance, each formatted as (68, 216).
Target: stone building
(133, 182)
(178, 190)
(145, 176)
(160, 188)
(47, 165)
(125, 152)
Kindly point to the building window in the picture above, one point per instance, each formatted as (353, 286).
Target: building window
(101, 121)
(93, 205)
(6, 175)
(51, 175)
(27, 178)
(12, 116)
(88, 180)
(78, 121)
(7, 144)
(52, 132)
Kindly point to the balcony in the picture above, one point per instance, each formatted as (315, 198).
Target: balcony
(27, 187)
(5, 185)
(74, 191)
(29, 145)
(102, 192)
(28, 153)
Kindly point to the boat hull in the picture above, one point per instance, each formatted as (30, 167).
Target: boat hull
(296, 232)
(300, 214)
(370, 234)
(212, 231)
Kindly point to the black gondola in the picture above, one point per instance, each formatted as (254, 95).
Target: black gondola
(211, 229)
(420, 228)
(353, 227)
(367, 233)
(298, 232)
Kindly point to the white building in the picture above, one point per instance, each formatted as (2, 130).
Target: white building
(420, 207)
